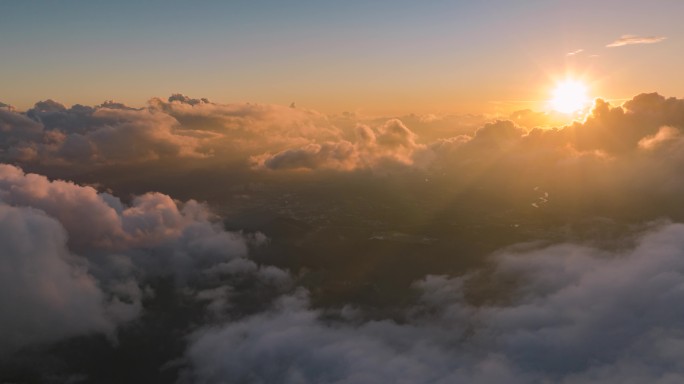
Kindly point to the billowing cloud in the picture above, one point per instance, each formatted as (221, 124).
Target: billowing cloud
(575, 316)
(390, 142)
(246, 125)
(45, 292)
(342, 155)
(634, 39)
(568, 313)
(109, 133)
(75, 261)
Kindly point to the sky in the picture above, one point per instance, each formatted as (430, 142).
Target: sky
(380, 57)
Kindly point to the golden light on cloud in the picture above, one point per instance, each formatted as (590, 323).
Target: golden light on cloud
(569, 96)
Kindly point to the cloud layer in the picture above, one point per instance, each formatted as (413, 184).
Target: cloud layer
(577, 315)
(77, 261)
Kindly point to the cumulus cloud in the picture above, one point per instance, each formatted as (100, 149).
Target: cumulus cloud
(75, 261)
(576, 316)
(340, 155)
(247, 126)
(390, 142)
(633, 39)
(109, 133)
(606, 132)
(572, 313)
(99, 220)
(282, 138)
(45, 293)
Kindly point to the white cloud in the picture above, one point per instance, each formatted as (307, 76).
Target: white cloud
(579, 315)
(74, 261)
(45, 293)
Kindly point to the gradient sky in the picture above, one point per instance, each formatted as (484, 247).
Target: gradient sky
(376, 57)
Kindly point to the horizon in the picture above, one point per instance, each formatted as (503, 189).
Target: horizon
(308, 192)
(384, 58)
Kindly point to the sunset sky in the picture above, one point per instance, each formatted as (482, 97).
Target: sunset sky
(357, 192)
(380, 57)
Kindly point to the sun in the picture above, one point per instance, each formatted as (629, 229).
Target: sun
(570, 96)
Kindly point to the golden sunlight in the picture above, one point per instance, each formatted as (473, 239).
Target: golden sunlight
(569, 96)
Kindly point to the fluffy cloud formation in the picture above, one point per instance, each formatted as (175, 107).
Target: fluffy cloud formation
(75, 261)
(621, 151)
(633, 39)
(390, 142)
(182, 127)
(281, 138)
(246, 126)
(578, 315)
(44, 292)
(108, 133)
(100, 220)
(464, 191)
(614, 136)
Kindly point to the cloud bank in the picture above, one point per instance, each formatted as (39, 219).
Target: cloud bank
(270, 137)
(575, 316)
(579, 311)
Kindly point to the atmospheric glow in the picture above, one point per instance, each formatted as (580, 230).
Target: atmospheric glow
(569, 96)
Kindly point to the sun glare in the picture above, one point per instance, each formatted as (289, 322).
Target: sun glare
(569, 96)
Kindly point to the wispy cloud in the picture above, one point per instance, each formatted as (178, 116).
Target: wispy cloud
(633, 39)
(575, 52)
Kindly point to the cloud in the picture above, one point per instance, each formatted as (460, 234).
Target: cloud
(575, 316)
(340, 155)
(112, 134)
(391, 142)
(46, 294)
(74, 261)
(242, 140)
(633, 39)
(108, 134)
(575, 52)
(99, 220)
(571, 314)
(248, 126)
(619, 129)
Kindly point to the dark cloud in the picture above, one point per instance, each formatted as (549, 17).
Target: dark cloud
(186, 100)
